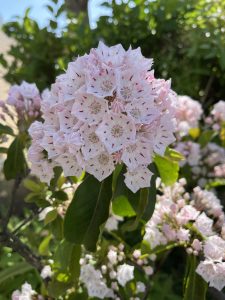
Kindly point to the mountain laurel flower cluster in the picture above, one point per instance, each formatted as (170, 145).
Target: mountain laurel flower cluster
(106, 109)
(115, 273)
(195, 221)
(26, 99)
(217, 116)
(188, 113)
(26, 293)
(205, 164)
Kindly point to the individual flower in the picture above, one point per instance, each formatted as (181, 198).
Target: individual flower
(125, 273)
(213, 273)
(138, 178)
(214, 248)
(46, 272)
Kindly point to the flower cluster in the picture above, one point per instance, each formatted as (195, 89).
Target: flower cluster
(188, 114)
(106, 109)
(217, 116)
(26, 99)
(114, 273)
(195, 221)
(205, 164)
(26, 293)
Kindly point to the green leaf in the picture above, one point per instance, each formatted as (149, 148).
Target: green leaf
(3, 150)
(206, 137)
(58, 289)
(121, 207)
(31, 185)
(195, 287)
(152, 191)
(74, 266)
(142, 202)
(216, 183)
(37, 198)
(120, 189)
(44, 246)
(15, 163)
(168, 169)
(51, 216)
(57, 228)
(17, 269)
(67, 257)
(173, 154)
(88, 210)
(61, 195)
(116, 173)
(4, 129)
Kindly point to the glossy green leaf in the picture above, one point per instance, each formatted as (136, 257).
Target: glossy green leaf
(51, 216)
(121, 207)
(3, 150)
(15, 163)
(33, 186)
(60, 195)
(152, 191)
(57, 227)
(173, 154)
(142, 202)
(74, 266)
(88, 210)
(4, 129)
(58, 289)
(67, 257)
(168, 169)
(44, 246)
(205, 137)
(195, 287)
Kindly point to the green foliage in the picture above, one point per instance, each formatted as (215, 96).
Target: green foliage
(185, 38)
(39, 54)
(121, 207)
(15, 164)
(15, 270)
(168, 169)
(163, 288)
(194, 286)
(4, 129)
(88, 210)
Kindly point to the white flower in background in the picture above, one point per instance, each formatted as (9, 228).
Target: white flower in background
(26, 293)
(46, 272)
(125, 273)
(218, 111)
(188, 113)
(113, 222)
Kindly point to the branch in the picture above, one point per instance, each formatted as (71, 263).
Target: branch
(26, 221)
(12, 241)
(208, 87)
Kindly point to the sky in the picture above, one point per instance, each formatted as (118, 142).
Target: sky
(12, 8)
